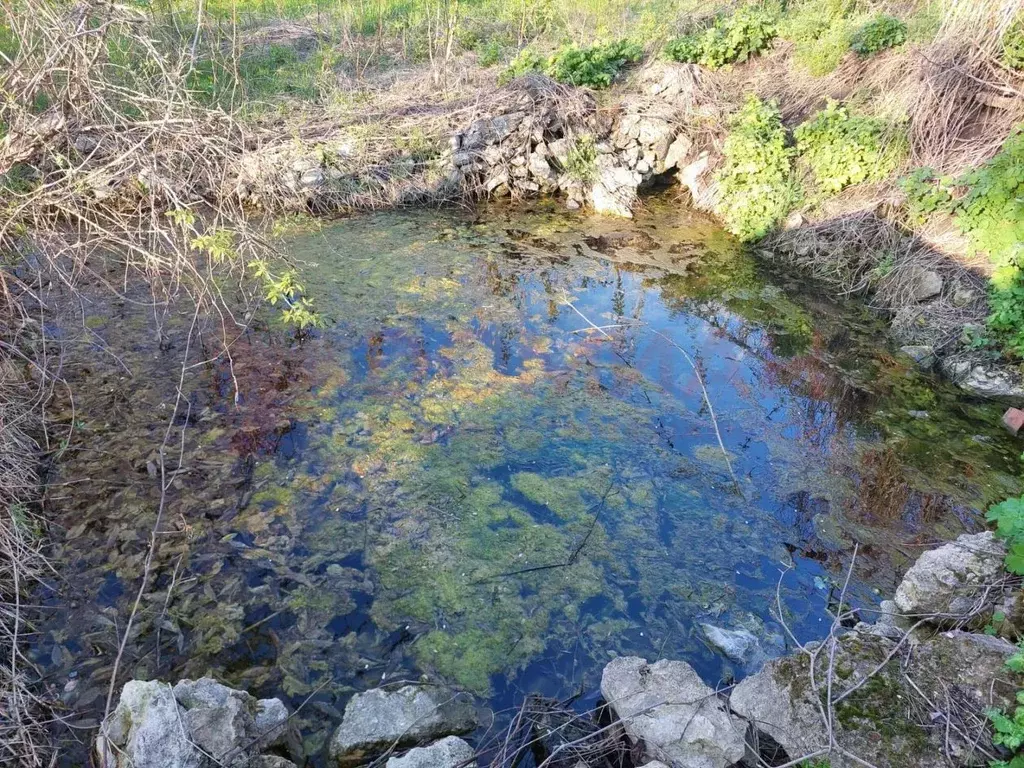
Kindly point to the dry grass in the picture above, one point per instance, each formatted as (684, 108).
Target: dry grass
(23, 739)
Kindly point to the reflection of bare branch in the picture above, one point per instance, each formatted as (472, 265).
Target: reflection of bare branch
(696, 372)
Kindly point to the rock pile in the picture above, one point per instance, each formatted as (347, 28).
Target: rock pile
(540, 147)
(193, 724)
(380, 721)
(897, 697)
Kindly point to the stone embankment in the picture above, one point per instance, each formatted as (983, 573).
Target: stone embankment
(909, 690)
(538, 138)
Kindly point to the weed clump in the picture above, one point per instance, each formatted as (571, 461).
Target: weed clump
(732, 39)
(1013, 45)
(581, 161)
(755, 179)
(593, 66)
(991, 214)
(820, 33)
(879, 34)
(843, 149)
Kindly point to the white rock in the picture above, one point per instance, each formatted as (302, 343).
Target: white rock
(678, 151)
(680, 720)
(145, 730)
(740, 645)
(951, 581)
(925, 284)
(450, 752)
(376, 719)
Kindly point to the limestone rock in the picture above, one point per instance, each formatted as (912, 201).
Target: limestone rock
(739, 645)
(678, 152)
(925, 284)
(951, 581)
(666, 705)
(541, 170)
(971, 670)
(986, 380)
(144, 731)
(450, 752)
(271, 721)
(376, 719)
(614, 190)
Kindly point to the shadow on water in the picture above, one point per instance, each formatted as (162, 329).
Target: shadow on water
(461, 478)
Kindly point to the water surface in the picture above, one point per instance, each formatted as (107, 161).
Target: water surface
(496, 466)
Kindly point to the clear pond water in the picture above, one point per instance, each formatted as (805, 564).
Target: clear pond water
(462, 477)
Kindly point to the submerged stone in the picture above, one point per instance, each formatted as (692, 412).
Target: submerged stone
(739, 645)
(449, 752)
(377, 719)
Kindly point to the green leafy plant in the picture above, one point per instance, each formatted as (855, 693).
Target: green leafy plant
(755, 180)
(581, 160)
(1009, 519)
(880, 33)
(991, 214)
(733, 39)
(1008, 727)
(820, 31)
(1013, 45)
(926, 194)
(686, 49)
(843, 149)
(594, 66)
(527, 60)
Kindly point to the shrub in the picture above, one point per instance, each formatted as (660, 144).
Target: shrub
(1009, 519)
(527, 60)
(732, 39)
(843, 149)
(925, 194)
(991, 214)
(755, 180)
(880, 33)
(594, 66)
(1013, 45)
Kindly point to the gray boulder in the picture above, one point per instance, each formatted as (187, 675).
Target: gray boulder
(145, 729)
(739, 645)
(450, 752)
(953, 582)
(999, 382)
(614, 190)
(680, 720)
(195, 724)
(376, 720)
(922, 354)
(925, 284)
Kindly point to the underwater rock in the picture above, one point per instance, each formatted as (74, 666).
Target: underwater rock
(739, 645)
(922, 354)
(376, 719)
(195, 724)
(666, 705)
(449, 752)
(953, 582)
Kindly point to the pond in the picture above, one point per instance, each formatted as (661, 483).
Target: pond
(496, 466)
